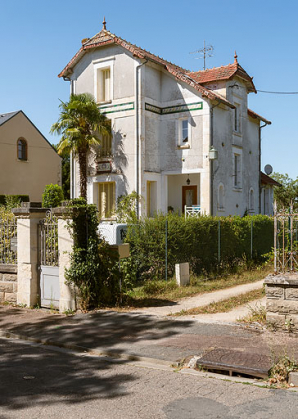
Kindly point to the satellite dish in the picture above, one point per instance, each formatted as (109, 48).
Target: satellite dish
(268, 169)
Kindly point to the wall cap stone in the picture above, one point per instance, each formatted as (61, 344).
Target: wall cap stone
(282, 279)
(8, 268)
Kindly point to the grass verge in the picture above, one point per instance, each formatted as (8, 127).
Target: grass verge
(225, 305)
(255, 315)
(157, 293)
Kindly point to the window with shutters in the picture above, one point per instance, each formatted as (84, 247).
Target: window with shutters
(106, 145)
(251, 200)
(103, 85)
(106, 199)
(237, 170)
(221, 197)
(103, 80)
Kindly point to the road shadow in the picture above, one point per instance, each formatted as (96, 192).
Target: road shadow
(39, 377)
(106, 331)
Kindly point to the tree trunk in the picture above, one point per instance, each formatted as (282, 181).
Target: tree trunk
(83, 173)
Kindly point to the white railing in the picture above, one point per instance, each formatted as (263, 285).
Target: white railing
(193, 211)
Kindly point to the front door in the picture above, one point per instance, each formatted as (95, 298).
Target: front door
(189, 196)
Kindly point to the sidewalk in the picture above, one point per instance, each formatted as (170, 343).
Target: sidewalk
(140, 336)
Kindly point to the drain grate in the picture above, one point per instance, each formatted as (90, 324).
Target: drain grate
(233, 361)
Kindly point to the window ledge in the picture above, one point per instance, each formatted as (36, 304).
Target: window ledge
(237, 133)
(103, 159)
(183, 147)
(235, 189)
(105, 102)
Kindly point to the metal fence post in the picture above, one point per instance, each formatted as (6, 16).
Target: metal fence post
(218, 242)
(166, 250)
(251, 238)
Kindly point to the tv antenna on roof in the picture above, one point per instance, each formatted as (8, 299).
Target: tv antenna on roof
(205, 52)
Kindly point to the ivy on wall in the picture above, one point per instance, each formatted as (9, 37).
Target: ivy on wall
(93, 265)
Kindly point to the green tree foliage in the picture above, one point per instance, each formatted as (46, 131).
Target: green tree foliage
(52, 196)
(81, 125)
(287, 192)
(94, 265)
(65, 171)
(126, 208)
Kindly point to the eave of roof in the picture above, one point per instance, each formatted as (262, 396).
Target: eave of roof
(105, 37)
(257, 116)
(10, 115)
(4, 117)
(267, 180)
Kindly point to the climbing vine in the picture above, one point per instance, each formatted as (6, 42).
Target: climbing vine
(93, 265)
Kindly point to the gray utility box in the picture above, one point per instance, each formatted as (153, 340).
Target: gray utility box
(114, 234)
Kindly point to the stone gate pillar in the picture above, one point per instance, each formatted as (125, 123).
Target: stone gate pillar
(65, 246)
(28, 217)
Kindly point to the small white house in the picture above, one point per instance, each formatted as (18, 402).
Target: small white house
(179, 137)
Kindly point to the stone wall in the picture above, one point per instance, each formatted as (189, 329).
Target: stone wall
(8, 283)
(282, 301)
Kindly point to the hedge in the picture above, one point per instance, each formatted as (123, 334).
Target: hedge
(195, 240)
(22, 198)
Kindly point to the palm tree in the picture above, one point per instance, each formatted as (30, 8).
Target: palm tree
(81, 125)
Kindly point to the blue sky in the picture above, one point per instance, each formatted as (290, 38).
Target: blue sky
(40, 37)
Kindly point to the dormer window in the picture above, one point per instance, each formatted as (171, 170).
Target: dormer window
(22, 149)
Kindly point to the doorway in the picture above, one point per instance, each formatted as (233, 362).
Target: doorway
(189, 196)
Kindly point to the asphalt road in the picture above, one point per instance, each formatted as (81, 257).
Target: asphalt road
(43, 382)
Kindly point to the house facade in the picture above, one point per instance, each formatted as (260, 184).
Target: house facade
(179, 137)
(28, 162)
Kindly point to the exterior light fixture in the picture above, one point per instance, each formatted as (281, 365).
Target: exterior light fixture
(188, 180)
(213, 153)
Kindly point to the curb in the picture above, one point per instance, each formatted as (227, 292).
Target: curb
(82, 349)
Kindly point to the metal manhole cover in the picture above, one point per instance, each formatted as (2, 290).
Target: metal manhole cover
(236, 361)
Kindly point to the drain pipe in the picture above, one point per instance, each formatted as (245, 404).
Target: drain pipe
(138, 139)
(211, 161)
(260, 188)
(72, 91)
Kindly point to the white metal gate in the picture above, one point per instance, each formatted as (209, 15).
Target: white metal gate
(49, 261)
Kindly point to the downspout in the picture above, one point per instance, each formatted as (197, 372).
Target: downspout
(260, 188)
(211, 161)
(71, 155)
(138, 139)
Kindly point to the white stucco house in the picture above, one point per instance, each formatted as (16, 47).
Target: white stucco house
(179, 137)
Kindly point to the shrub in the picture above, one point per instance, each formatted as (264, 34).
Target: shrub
(52, 196)
(10, 200)
(195, 240)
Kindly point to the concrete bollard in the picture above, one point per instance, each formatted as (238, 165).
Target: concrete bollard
(182, 273)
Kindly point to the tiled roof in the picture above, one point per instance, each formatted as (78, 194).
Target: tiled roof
(6, 116)
(104, 37)
(255, 115)
(267, 180)
(223, 73)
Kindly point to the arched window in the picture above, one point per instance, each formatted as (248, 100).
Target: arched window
(22, 149)
(221, 197)
(251, 200)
